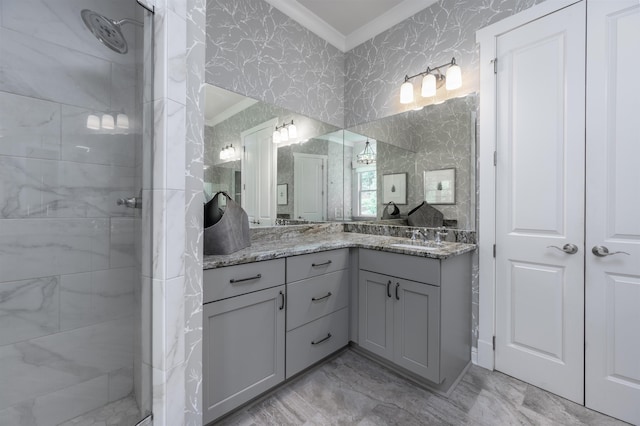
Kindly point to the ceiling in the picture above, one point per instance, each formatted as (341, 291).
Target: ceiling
(348, 23)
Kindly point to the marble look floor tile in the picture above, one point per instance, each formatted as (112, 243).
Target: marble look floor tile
(353, 390)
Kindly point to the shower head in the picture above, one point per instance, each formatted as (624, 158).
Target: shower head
(107, 30)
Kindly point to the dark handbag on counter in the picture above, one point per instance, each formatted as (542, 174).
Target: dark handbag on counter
(395, 214)
(425, 215)
(226, 231)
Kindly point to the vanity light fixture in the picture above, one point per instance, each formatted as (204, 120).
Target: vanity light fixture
(367, 156)
(108, 122)
(285, 132)
(228, 152)
(432, 79)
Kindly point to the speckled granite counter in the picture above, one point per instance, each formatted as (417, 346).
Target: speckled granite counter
(292, 241)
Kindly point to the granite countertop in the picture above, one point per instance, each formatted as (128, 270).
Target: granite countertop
(285, 247)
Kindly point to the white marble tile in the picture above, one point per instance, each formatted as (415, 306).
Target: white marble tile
(110, 147)
(122, 242)
(176, 53)
(60, 23)
(76, 296)
(168, 141)
(168, 234)
(80, 79)
(29, 127)
(168, 396)
(48, 188)
(43, 247)
(28, 309)
(120, 383)
(160, 52)
(125, 93)
(146, 320)
(168, 323)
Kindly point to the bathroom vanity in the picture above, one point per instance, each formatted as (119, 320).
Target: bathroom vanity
(277, 308)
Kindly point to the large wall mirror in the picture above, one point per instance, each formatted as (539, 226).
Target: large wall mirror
(316, 176)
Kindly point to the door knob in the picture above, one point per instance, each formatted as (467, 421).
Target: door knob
(567, 248)
(602, 251)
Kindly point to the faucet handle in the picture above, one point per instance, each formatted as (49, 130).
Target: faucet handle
(415, 233)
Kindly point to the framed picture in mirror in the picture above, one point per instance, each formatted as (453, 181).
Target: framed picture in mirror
(394, 188)
(282, 194)
(440, 186)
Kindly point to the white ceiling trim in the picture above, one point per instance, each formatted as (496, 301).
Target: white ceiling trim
(310, 21)
(319, 27)
(392, 17)
(230, 112)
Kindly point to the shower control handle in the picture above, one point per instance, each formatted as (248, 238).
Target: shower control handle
(602, 251)
(132, 203)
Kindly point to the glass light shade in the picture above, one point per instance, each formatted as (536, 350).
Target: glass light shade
(93, 122)
(222, 154)
(284, 134)
(454, 77)
(428, 86)
(276, 136)
(293, 131)
(107, 122)
(406, 93)
(122, 121)
(231, 152)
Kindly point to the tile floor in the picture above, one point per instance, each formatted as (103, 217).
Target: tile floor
(123, 412)
(353, 390)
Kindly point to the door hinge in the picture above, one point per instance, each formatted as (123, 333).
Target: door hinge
(495, 158)
(494, 342)
(494, 250)
(495, 65)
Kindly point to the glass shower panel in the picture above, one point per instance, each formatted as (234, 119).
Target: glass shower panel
(75, 291)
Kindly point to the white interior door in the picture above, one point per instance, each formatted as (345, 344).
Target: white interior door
(540, 202)
(613, 209)
(309, 187)
(258, 175)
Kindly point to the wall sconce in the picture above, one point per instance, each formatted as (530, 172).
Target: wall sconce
(367, 156)
(228, 152)
(285, 132)
(432, 80)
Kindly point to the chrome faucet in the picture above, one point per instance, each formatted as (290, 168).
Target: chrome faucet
(415, 233)
(441, 232)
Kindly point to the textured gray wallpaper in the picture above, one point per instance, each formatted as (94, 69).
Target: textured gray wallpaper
(256, 50)
(376, 69)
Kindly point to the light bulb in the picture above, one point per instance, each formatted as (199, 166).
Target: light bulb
(428, 86)
(406, 93)
(107, 122)
(454, 77)
(232, 152)
(122, 121)
(93, 122)
(276, 136)
(284, 134)
(293, 131)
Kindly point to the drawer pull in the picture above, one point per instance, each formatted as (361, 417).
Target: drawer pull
(315, 299)
(281, 301)
(322, 340)
(315, 265)
(239, 280)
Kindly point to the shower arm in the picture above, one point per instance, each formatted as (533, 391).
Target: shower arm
(128, 21)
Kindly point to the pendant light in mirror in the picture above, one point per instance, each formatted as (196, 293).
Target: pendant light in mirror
(367, 156)
(285, 132)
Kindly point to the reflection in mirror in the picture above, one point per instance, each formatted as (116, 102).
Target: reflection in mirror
(298, 179)
(434, 138)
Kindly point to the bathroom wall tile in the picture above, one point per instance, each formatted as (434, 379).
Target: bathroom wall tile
(29, 127)
(256, 50)
(168, 234)
(81, 79)
(49, 363)
(160, 52)
(168, 396)
(168, 320)
(120, 383)
(122, 242)
(125, 94)
(169, 153)
(179, 7)
(76, 301)
(60, 24)
(111, 147)
(36, 248)
(28, 309)
(176, 54)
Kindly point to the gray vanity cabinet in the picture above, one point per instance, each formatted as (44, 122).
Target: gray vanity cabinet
(243, 334)
(415, 313)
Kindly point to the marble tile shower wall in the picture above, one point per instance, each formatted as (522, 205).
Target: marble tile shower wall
(375, 69)
(68, 264)
(256, 50)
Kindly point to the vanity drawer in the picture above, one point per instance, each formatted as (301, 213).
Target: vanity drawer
(313, 264)
(316, 297)
(310, 343)
(415, 268)
(222, 283)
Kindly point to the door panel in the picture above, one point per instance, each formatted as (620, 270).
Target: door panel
(540, 202)
(612, 318)
(309, 187)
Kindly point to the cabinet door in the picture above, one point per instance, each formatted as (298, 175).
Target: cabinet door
(375, 322)
(416, 331)
(243, 349)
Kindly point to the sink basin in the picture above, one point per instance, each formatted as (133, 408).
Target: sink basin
(415, 247)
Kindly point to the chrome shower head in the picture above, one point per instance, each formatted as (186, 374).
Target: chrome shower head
(107, 30)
